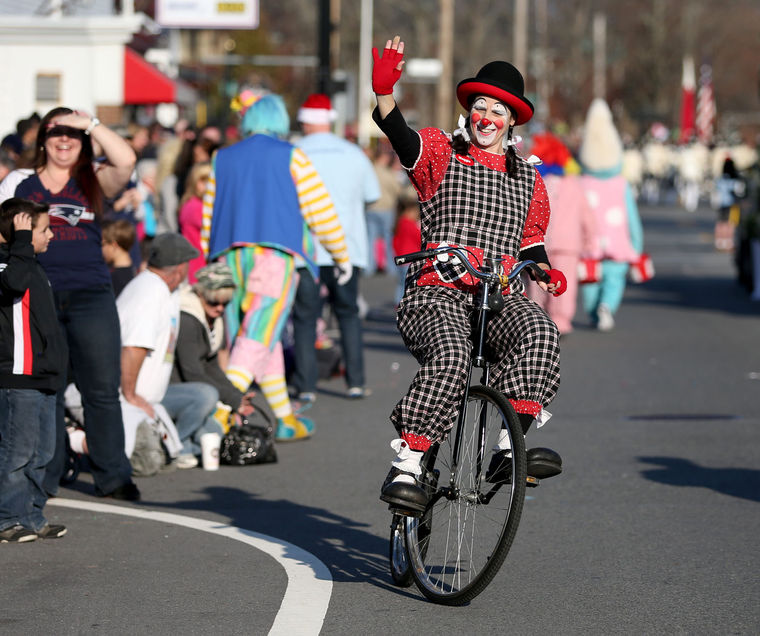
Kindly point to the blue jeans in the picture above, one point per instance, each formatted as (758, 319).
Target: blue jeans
(89, 319)
(27, 444)
(191, 405)
(306, 310)
(380, 225)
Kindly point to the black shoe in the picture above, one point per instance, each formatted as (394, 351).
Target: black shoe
(125, 492)
(17, 534)
(401, 496)
(542, 463)
(51, 532)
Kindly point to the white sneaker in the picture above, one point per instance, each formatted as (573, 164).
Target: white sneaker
(605, 321)
(186, 461)
(358, 392)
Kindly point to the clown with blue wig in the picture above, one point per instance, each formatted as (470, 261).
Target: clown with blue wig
(263, 206)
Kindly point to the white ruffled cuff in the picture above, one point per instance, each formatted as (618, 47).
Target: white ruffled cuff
(407, 459)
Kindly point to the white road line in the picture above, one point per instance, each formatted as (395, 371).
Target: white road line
(307, 595)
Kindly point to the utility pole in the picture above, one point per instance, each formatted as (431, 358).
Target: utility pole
(325, 29)
(520, 37)
(543, 70)
(600, 55)
(364, 91)
(334, 33)
(444, 98)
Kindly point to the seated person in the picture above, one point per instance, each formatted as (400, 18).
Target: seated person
(201, 354)
(119, 236)
(149, 316)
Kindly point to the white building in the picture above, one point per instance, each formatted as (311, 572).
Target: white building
(80, 60)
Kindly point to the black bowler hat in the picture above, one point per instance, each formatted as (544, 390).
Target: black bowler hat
(501, 81)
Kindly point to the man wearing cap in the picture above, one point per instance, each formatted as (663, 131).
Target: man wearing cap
(475, 192)
(352, 183)
(149, 309)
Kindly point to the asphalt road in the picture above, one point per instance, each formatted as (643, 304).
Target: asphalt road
(652, 528)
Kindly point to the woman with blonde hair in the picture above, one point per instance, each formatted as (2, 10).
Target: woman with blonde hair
(191, 212)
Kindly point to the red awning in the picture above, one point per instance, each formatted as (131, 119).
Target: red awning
(144, 83)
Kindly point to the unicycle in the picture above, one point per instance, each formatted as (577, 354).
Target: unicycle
(454, 549)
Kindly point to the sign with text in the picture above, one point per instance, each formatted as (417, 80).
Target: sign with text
(208, 14)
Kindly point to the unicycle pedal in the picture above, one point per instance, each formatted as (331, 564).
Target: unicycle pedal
(404, 512)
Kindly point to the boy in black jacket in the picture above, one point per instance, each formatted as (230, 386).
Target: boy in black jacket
(32, 369)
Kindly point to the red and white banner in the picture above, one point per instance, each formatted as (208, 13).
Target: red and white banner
(688, 90)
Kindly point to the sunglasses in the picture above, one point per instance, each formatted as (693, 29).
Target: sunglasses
(212, 303)
(56, 130)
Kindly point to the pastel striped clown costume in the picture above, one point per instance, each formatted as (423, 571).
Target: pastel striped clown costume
(263, 206)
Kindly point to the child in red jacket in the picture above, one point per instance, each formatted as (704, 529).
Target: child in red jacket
(407, 238)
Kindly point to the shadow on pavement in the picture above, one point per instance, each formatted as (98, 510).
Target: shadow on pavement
(344, 545)
(712, 294)
(674, 471)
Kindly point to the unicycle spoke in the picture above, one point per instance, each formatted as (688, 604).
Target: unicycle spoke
(456, 547)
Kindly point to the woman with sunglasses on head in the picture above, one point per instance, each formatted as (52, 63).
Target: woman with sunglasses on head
(67, 177)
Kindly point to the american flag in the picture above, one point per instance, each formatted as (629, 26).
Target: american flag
(705, 122)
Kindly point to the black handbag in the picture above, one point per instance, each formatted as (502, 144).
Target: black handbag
(247, 444)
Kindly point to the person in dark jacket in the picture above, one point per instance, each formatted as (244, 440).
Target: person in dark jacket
(201, 354)
(32, 369)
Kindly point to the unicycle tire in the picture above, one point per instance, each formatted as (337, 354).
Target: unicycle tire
(398, 560)
(458, 545)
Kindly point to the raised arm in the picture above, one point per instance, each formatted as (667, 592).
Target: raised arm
(114, 175)
(386, 71)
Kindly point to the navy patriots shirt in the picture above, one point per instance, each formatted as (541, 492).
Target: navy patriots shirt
(74, 259)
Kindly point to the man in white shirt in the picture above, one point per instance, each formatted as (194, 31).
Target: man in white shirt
(149, 316)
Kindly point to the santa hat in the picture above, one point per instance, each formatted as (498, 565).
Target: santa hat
(317, 109)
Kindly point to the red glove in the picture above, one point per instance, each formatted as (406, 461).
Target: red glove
(558, 278)
(384, 71)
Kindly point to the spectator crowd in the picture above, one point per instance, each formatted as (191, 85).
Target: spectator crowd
(178, 258)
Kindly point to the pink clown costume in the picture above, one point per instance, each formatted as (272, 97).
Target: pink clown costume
(620, 236)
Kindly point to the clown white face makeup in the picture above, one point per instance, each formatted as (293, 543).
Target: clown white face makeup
(490, 120)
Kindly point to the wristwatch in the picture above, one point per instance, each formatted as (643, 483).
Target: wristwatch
(93, 122)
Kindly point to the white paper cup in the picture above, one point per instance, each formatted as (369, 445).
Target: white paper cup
(210, 443)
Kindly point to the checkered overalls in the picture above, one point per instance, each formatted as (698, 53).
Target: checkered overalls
(474, 206)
